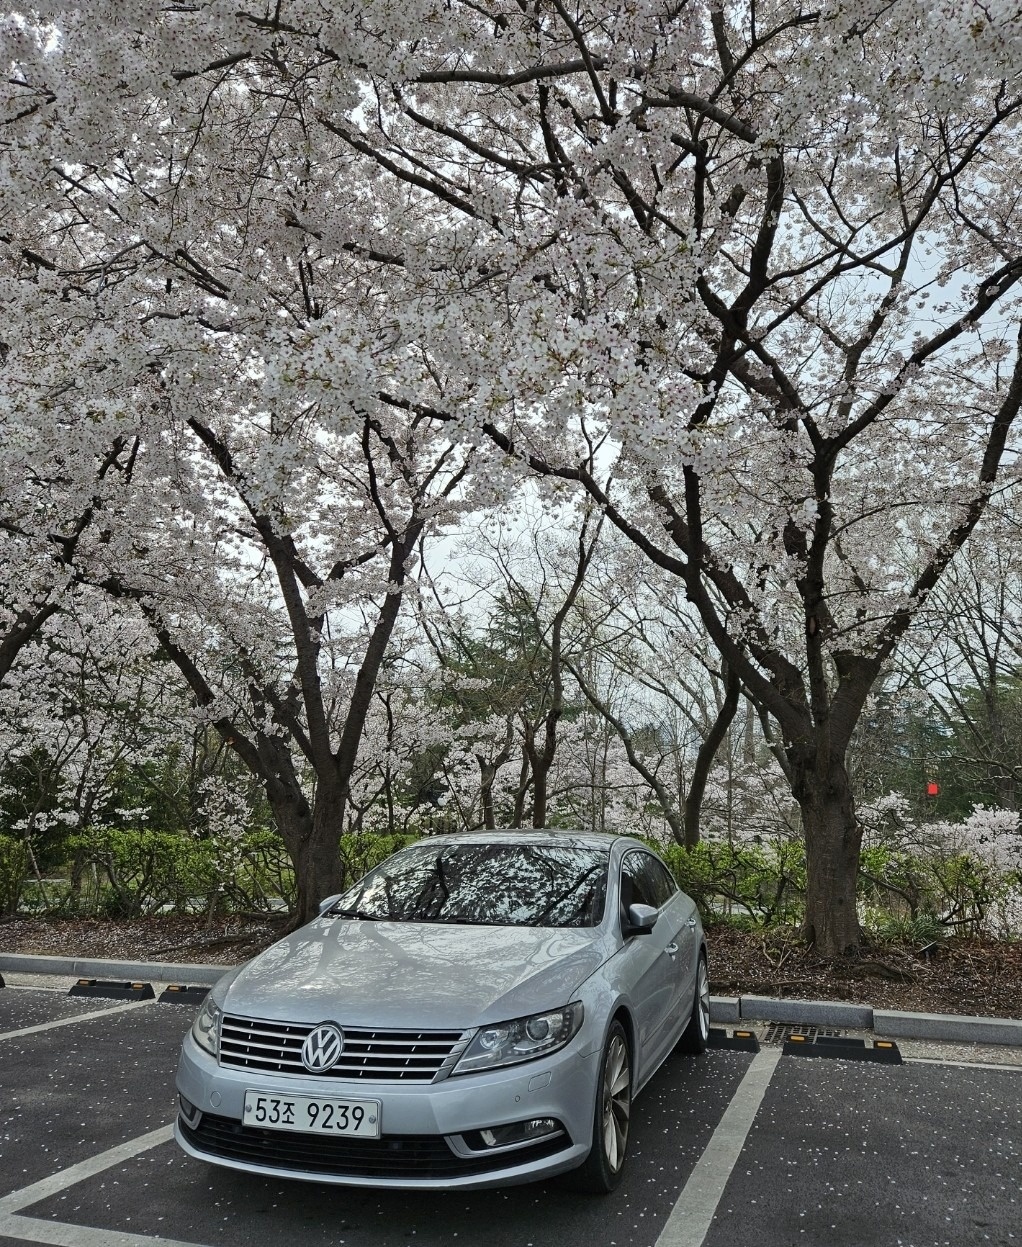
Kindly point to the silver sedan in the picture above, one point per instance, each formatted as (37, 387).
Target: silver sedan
(481, 1009)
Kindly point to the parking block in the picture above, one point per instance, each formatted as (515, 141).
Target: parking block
(113, 991)
(882, 1050)
(738, 1041)
(179, 994)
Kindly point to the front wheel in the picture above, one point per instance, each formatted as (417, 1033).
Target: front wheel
(605, 1163)
(698, 1030)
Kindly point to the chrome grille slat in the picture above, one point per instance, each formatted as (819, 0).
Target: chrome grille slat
(411, 1056)
(278, 1036)
(250, 1043)
(440, 1045)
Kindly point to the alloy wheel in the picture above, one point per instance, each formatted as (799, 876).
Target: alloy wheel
(703, 996)
(617, 1102)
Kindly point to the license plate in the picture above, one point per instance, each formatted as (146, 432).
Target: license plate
(312, 1114)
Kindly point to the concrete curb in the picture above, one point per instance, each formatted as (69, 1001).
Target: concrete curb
(806, 1012)
(888, 1023)
(134, 971)
(899, 1024)
(892, 1023)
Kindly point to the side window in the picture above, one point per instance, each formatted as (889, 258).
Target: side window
(645, 881)
(665, 884)
(637, 886)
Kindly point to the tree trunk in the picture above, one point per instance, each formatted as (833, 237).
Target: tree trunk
(488, 771)
(522, 791)
(487, 774)
(311, 838)
(318, 874)
(707, 752)
(833, 839)
(540, 771)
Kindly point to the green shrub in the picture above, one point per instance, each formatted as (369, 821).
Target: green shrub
(135, 872)
(118, 873)
(765, 882)
(13, 874)
(889, 928)
(265, 876)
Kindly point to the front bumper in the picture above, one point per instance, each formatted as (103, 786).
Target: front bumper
(423, 1144)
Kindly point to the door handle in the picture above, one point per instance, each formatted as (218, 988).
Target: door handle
(691, 922)
(672, 949)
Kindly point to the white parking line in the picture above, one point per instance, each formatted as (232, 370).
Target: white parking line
(936, 1060)
(63, 1234)
(63, 1178)
(690, 1217)
(78, 1017)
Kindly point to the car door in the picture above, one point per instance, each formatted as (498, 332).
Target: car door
(651, 959)
(679, 914)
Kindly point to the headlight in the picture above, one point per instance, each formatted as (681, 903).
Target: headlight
(206, 1028)
(507, 1043)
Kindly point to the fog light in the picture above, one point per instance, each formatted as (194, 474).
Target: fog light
(189, 1111)
(519, 1132)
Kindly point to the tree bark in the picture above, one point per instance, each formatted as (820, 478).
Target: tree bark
(707, 752)
(310, 836)
(487, 774)
(833, 839)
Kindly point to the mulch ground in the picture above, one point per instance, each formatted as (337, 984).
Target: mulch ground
(956, 976)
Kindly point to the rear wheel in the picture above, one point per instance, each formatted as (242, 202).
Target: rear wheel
(605, 1163)
(698, 1030)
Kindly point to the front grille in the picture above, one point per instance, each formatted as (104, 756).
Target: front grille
(413, 1157)
(380, 1055)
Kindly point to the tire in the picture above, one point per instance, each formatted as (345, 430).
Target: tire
(604, 1166)
(697, 1032)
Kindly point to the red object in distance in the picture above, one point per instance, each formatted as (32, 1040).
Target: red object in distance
(932, 789)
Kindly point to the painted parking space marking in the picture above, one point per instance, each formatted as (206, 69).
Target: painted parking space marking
(70, 1021)
(850, 1153)
(63, 1178)
(936, 1060)
(163, 1192)
(731, 1124)
(690, 1218)
(62, 1234)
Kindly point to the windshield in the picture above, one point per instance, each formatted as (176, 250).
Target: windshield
(518, 885)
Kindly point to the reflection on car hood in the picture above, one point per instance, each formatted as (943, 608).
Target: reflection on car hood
(415, 975)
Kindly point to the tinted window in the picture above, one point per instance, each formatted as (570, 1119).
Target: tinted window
(521, 885)
(636, 885)
(663, 880)
(645, 881)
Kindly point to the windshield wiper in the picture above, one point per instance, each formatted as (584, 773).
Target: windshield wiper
(458, 922)
(352, 913)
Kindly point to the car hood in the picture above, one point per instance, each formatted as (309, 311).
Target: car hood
(415, 975)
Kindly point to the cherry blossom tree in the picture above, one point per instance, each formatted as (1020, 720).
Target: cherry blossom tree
(278, 506)
(89, 730)
(680, 256)
(279, 608)
(974, 659)
(54, 484)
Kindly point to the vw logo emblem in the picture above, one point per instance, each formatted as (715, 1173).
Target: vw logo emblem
(322, 1048)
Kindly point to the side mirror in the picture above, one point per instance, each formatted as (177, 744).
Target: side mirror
(328, 901)
(641, 920)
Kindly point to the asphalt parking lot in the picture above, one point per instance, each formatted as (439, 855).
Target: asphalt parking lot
(729, 1148)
